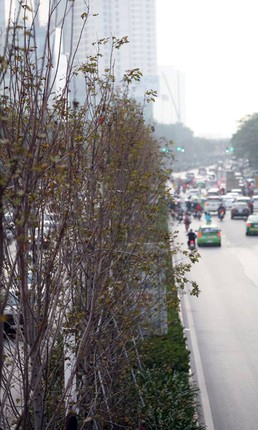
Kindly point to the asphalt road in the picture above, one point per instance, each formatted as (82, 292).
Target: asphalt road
(222, 328)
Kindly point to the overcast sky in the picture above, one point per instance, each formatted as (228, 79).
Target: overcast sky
(215, 44)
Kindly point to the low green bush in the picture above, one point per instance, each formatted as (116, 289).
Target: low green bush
(170, 401)
(163, 397)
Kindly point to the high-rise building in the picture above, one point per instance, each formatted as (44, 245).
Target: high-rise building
(133, 19)
(170, 104)
(2, 25)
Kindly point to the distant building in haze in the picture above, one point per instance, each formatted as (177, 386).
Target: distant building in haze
(131, 19)
(169, 107)
(134, 19)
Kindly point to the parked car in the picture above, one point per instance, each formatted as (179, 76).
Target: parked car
(240, 210)
(9, 226)
(12, 317)
(252, 225)
(209, 235)
(49, 222)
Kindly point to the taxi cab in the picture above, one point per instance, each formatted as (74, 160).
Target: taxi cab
(252, 225)
(209, 235)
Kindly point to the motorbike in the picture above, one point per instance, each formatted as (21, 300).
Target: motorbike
(187, 225)
(207, 218)
(221, 215)
(191, 245)
(197, 215)
(180, 217)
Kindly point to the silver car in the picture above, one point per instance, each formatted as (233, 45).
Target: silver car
(212, 204)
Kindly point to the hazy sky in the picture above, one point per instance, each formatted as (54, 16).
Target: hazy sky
(215, 44)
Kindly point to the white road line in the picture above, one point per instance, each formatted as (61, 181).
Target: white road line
(207, 415)
(198, 365)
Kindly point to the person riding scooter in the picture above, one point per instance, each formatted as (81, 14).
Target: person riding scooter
(207, 217)
(198, 210)
(221, 211)
(187, 221)
(191, 238)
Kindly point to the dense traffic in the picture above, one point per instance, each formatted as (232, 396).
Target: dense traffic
(208, 194)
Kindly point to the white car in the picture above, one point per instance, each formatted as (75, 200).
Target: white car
(11, 313)
(213, 191)
(212, 203)
(255, 203)
(244, 199)
(193, 192)
(49, 222)
(237, 191)
(228, 201)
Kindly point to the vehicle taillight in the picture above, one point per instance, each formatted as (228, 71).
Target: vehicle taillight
(218, 233)
(199, 234)
(249, 224)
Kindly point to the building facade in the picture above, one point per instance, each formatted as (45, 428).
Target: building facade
(134, 20)
(170, 105)
(89, 21)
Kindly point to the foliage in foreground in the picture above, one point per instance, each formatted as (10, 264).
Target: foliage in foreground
(165, 397)
(86, 282)
(170, 400)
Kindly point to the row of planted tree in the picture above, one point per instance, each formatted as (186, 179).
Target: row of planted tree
(85, 283)
(80, 284)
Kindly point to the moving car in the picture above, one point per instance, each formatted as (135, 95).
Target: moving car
(213, 191)
(209, 235)
(244, 199)
(237, 191)
(252, 225)
(240, 210)
(247, 200)
(212, 203)
(228, 201)
(193, 192)
(255, 203)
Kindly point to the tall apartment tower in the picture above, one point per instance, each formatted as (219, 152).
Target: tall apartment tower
(2, 25)
(170, 105)
(135, 19)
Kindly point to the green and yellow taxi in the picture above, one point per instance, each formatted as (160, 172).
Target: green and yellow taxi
(209, 235)
(252, 225)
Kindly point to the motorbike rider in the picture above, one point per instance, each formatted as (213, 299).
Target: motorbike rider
(189, 204)
(198, 210)
(221, 210)
(191, 237)
(207, 217)
(187, 221)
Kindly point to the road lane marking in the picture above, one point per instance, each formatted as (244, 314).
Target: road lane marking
(198, 365)
(184, 296)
